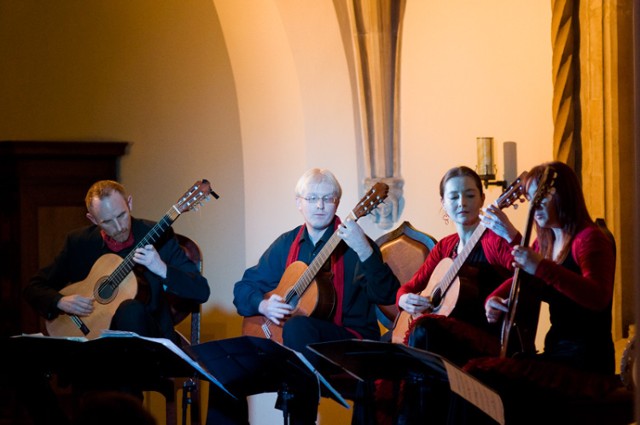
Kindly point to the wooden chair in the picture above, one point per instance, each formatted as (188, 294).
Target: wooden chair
(404, 249)
(190, 386)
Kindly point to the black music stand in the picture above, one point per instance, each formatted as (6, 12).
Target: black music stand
(249, 365)
(368, 361)
(113, 359)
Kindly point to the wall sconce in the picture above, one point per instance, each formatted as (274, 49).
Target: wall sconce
(486, 168)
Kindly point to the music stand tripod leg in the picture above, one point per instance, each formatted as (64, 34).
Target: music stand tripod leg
(364, 407)
(188, 389)
(415, 393)
(285, 395)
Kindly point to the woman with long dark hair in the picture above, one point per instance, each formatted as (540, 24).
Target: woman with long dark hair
(573, 262)
(570, 266)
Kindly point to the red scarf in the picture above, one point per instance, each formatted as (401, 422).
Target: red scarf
(113, 244)
(337, 268)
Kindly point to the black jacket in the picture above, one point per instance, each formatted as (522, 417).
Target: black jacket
(82, 249)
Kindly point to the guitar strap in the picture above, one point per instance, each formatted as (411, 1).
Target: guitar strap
(337, 268)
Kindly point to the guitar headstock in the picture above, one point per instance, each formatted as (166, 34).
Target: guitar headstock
(545, 186)
(198, 193)
(371, 199)
(515, 192)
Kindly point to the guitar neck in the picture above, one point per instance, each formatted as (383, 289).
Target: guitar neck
(460, 259)
(150, 238)
(526, 239)
(515, 284)
(310, 273)
(514, 293)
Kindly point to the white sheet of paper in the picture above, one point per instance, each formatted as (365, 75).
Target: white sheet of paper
(475, 392)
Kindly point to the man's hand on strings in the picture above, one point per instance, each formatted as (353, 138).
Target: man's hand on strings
(354, 236)
(275, 309)
(149, 257)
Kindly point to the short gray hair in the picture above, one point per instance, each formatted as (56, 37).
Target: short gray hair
(317, 176)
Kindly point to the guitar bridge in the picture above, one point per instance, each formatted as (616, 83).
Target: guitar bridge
(266, 330)
(80, 324)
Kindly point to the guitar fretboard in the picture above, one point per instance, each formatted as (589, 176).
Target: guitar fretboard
(121, 272)
(310, 273)
(544, 186)
(451, 274)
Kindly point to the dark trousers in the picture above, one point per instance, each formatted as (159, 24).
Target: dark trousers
(133, 316)
(298, 333)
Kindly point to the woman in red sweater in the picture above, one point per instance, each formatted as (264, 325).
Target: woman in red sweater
(452, 322)
(571, 266)
(446, 316)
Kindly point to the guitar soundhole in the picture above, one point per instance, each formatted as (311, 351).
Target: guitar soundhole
(105, 291)
(292, 298)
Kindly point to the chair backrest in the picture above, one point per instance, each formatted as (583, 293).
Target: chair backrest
(181, 308)
(628, 372)
(404, 249)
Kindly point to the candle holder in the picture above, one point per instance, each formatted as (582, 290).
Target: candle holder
(485, 167)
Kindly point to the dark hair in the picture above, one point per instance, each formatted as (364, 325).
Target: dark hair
(568, 202)
(461, 171)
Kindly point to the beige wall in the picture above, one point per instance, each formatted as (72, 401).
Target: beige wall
(251, 93)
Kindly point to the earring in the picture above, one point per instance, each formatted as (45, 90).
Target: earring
(445, 217)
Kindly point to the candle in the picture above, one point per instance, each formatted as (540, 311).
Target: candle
(485, 156)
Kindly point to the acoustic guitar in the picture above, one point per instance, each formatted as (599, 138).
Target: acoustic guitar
(525, 342)
(444, 286)
(301, 286)
(111, 279)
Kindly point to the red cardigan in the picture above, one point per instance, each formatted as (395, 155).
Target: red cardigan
(496, 249)
(593, 253)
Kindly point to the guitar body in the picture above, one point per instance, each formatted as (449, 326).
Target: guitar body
(107, 300)
(443, 303)
(317, 300)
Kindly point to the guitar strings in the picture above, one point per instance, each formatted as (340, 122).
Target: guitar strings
(121, 272)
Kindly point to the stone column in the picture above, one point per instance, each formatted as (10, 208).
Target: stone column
(372, 38)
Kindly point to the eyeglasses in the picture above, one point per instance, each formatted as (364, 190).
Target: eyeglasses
(313, 199)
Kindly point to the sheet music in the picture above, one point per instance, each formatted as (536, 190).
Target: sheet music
(41, 335)
(475, 392)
